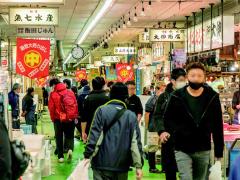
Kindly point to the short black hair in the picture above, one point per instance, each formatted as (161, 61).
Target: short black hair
(109, 84)
(178, 72)
(68, 83)
(195, 65)
(131, 83)
(30, 90)
(53, 82)
(83, 82)
(98, 83)
(119, 91)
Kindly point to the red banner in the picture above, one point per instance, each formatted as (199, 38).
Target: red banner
(33, 57)
(42, 82)
(125, 72)
(81, 74)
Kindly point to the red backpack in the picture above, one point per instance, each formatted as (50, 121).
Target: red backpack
(69, 107)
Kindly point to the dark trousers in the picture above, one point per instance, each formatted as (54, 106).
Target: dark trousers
(152, 160)
(169, 164)
(15, 123)
(66, 128)
(109, 175)
(78, 126)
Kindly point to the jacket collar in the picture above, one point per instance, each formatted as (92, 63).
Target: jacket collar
(117, 102)
(98, 91)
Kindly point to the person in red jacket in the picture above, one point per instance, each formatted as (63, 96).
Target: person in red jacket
(55, 107)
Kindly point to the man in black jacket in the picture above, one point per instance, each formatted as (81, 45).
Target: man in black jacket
(95, 99)
(133, 102)
(114, 144)
(192, 116)
(169, 166)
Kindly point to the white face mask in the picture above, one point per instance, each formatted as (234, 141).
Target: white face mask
(180, 85)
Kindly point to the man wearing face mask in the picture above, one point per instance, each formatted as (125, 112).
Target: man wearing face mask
(193, 115)
(169, 166)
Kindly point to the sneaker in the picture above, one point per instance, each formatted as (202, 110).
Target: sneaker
(61, 160)
(155, 171)
(69, 155)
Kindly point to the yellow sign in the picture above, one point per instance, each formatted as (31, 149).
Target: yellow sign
(32, 59)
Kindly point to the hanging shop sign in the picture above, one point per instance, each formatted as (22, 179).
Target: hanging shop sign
(42, 82)
(111, 74)
(32, 1)
(4, 63)
(33, 58)
(144, 37)
(125, 72)
(36, 31)
(33, 16)
(98, 63)
(110, 59)
(81, 74)
(89, 66)
(179, 58)
(124, 50)
(167, 35)
(3, 80)
(195, 38)
(94, 73)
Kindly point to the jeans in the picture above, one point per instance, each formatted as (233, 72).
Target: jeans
(193, 166)
(66, 128)
(109, 175)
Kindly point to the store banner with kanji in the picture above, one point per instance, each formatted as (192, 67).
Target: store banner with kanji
(125, 72)
(33, 57)
(42, 82)
(81, 74)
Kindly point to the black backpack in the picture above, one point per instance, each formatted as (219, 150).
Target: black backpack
(20, 159)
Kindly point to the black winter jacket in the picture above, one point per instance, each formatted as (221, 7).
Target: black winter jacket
(90, 105)
(119, 147)
(188, 136)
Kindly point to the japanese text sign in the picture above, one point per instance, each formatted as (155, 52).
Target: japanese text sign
(33, 16)
(124, 50)
(124, 72)
(110, 59)
(167, 35)
(42, 82)
(35, 31)
(33, 58)
(81, 74)
(31, 1)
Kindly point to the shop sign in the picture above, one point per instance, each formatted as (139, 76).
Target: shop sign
(98, 63)
(195, 37)
(81, 74)
(111, 74)
(33, 58)
(167, 35)
(89, 66)
(34, 16)
(144, 37)
(124, 50)
(35, 31)
(125, 72)
(138, 82)
(42, 82)
(4, 63)
(32, 1)
(94, 73)
(3, 80)
(110, 59)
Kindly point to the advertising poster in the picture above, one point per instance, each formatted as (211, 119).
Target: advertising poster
(125, 72)
(81, 74)
(111, 74)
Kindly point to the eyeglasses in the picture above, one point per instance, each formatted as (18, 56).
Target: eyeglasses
(131, 88)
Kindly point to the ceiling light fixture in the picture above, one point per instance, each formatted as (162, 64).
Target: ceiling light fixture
(97, 15)
(129, 20)
(143, 10)
(124, 23)
(149, 5)
(135, 19)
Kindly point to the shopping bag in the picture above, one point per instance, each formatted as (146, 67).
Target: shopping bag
(152, 138)
(216, 171)
(81, 171)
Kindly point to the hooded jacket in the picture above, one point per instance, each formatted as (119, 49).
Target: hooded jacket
(54, 104)
(13, 99)
(81, 98)
(120, 146)
(189, 136)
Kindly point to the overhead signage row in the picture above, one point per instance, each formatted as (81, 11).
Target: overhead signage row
(34, 16)
(32, 1)
(167, 35)
(35, 31)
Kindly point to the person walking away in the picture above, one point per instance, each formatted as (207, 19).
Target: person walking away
(5, 153)
(45, 96)
(13, 98)
(83, 83)
(169, 165)
(133, 102)
(114, 142)
(236, 107)
(80, 100)
(63, 111)
(95, 99)
(150, 125)
(192, 117)
(29, 108)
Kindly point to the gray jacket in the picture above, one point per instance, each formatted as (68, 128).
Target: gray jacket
(120, 147)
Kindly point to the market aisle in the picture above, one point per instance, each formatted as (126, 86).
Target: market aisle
(62, 171)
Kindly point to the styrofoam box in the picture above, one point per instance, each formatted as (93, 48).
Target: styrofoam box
(33, 142)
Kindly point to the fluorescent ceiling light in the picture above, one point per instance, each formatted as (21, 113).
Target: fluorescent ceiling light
(104, 5)
(68, 58)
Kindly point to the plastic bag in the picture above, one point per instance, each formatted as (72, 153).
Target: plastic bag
(81, 171)
(216, 171)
